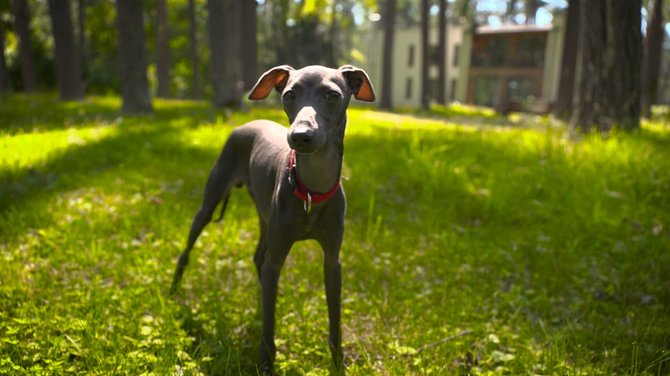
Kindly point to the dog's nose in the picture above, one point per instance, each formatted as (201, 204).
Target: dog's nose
(302, 137)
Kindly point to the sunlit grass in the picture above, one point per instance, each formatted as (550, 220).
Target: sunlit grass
(474, 245)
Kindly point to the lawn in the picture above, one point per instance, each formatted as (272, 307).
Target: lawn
(474, 245)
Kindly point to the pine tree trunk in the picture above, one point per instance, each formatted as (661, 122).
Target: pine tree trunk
(387, 61)
(442, 53)
(249, 48)
(223, 24)
(624, 32)
(425, 62)
(81, 38)
(607, 73)
(22, 25)
(5, 84)
(68, 72)
(193, 50)
(132, 57)
(587, 108)
(162, 50)
(652, 58)
(562, 107)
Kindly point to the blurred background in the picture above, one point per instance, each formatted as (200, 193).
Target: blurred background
(514, 55)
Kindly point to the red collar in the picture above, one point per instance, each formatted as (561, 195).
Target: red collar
(302, 192)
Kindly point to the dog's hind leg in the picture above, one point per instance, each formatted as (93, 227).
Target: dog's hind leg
(219, 183)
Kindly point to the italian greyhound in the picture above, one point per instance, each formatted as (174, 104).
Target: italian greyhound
(293, 176)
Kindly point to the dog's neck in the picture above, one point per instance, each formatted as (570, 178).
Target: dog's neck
(321, 170)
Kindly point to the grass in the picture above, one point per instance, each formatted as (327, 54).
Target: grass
(488, 249)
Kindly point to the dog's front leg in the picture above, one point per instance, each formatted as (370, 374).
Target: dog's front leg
(275, 256)
(333, 282)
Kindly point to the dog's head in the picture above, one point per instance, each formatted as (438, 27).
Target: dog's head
(315, 98)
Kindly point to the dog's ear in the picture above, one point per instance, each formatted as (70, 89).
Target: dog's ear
(359, 82)
(274, 78)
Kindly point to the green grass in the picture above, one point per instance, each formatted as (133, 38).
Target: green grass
(487, 249)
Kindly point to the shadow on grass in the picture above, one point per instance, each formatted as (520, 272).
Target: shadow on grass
(221, 353)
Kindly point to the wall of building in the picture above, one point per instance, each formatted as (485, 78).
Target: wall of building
(407, 52)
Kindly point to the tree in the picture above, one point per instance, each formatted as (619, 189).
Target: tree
(132, 57)
(5, 84)
(193, 50)
(387, 69)
(566, 85)
(68, 71)
(608, 46)
(248, 41)
(22, 25)
(425, 55)
(81, 34)
(223, 25)
(652, 58)
(442, 53)
(162, 50)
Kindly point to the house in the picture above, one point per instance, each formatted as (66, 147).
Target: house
(512, 67)
(407, 62)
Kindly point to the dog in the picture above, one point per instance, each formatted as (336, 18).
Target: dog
(293, 176)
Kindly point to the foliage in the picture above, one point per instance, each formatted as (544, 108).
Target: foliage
(469, 249)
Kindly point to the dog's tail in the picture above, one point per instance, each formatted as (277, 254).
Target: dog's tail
(222, 178)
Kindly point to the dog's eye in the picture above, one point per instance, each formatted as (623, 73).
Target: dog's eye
(289, 95)
(333, 95)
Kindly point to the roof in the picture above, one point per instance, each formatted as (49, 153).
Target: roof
(511, 28)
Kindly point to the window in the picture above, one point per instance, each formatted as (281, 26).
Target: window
(408, 88)
(452, 93)
(457, 50)
(410, 56)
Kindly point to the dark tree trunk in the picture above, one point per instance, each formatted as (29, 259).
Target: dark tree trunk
(587, 108)
(68, 72)
(609, 46)
(280, 10)
(625, 61)
(563, 105)
(81, 36)
(162, 50)
(5, 84)
(425, 55)
(652, 58)
(333, 33)
(193, 50)
(387, 61)
(223, 24)
(22, 25)
(442, 53)
(249, 48)
(132, 57)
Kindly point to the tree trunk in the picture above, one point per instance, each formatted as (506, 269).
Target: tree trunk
(652, 58)
(223, 24)
(442, 53)
(607, 75)
(193, 50)
(81, 37)
(22, 25)
(563, 105)
(5, 84)
(249, 50)
(587, 108)
(132, 57)
(387, 61)
(425, 55)
(162, 50)
(625, 43)
(68, 72)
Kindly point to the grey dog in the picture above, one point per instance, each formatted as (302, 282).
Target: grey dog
(293, 176)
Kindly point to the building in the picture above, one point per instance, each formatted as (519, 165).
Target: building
(510, 67)
(407, 62)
